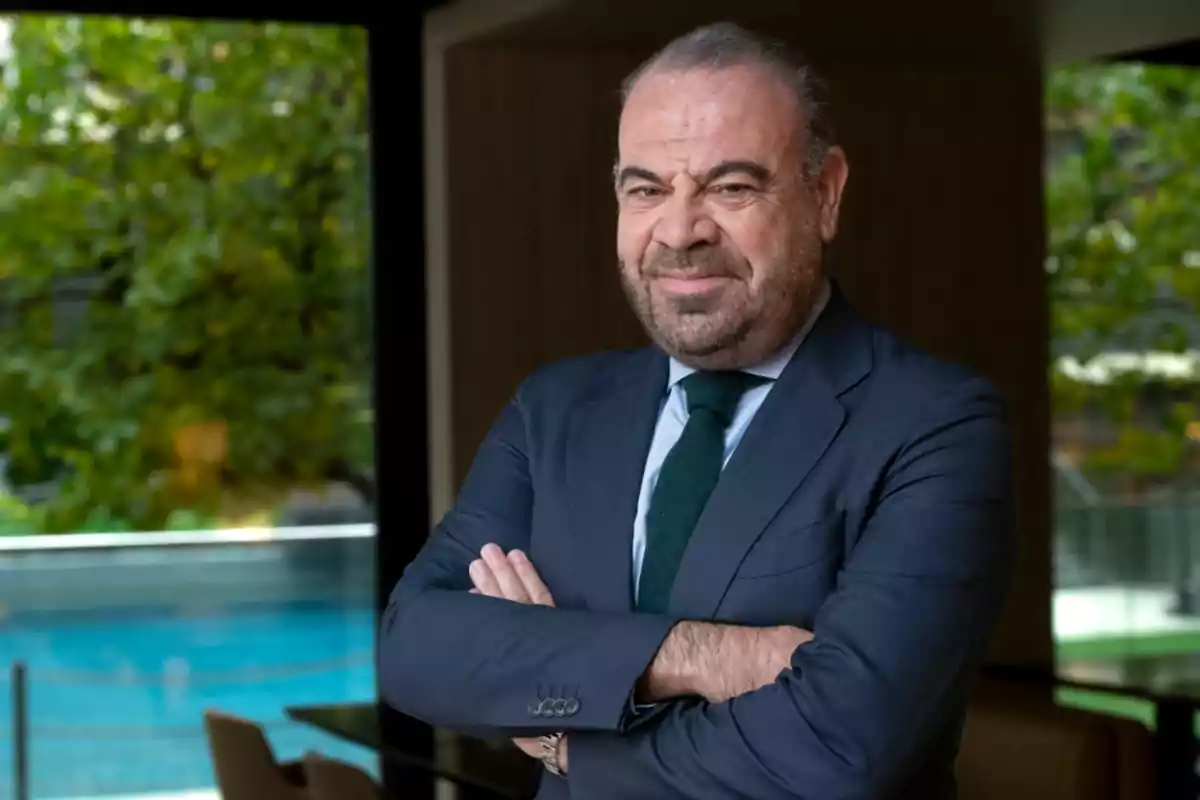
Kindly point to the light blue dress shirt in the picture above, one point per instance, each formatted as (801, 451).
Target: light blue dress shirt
(673, 416)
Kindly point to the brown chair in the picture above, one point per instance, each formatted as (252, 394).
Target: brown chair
(1019, 745)
(244, 764)
(330, 779)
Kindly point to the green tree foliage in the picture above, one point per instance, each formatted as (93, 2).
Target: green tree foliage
(185, 240)
(1123, 267)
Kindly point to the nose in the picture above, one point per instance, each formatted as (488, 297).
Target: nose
(684, 224)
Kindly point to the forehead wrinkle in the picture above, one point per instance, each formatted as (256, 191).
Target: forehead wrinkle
(689, 122)
(734, 97)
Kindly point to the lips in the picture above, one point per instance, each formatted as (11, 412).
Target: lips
(697, 284)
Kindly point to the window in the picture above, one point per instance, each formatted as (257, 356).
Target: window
(186, 493)
(1123, 270)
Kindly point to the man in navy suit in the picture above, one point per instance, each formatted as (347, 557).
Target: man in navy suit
(761, 558)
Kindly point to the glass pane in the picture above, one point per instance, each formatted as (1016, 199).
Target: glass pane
(1123, 270)
(186, 489)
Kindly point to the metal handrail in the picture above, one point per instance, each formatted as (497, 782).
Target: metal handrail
(20, 696)
(91, 541)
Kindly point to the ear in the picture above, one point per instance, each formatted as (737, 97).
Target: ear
(831, 182)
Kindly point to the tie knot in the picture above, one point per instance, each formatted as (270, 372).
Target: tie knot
(718, 392)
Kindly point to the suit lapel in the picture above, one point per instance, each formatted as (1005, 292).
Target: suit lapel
(607, 444)
(795, 426)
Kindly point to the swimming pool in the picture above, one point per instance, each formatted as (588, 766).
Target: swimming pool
(116, 696)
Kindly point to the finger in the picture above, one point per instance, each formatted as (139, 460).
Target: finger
(534, 587)
(484, 580)
(530, 747)
(506, 576)
(474, 591)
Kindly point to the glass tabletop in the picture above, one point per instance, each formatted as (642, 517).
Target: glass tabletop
(1174, 676)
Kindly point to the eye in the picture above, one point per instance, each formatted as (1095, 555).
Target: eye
(644, 191)
(732, 189)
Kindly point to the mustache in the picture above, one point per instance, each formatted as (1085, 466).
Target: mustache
(707, 262)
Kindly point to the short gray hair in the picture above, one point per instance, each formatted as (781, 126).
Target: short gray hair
(722, 45)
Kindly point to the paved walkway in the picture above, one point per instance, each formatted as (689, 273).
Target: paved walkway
(193, 794)
(1116, 610)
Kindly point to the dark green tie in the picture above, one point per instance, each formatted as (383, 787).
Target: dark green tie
(688, 476)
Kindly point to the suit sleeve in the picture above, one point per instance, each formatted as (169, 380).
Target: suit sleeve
(470, 662)
(893, 650)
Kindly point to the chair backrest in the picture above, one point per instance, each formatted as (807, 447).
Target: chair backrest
(1040, 750)
(243, 763)
(330, 779)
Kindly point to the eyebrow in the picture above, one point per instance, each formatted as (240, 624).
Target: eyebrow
(626, 174)
(734, 166)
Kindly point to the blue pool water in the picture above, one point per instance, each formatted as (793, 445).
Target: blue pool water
(116, 698)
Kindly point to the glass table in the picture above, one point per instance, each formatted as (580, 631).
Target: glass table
(414, 752)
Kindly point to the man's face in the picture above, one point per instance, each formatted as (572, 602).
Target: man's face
(719, 235)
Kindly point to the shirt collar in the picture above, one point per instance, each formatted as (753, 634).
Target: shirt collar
(773, 367)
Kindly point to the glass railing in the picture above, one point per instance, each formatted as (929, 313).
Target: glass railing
(1154, 542)
(127, 638)
(1127, 571)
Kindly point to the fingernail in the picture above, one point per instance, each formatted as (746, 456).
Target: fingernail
(516, 555)
(489, 547)
(474, 566)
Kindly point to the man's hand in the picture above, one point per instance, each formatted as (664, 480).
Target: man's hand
(718, 662)
(512, 577)
(533, 749)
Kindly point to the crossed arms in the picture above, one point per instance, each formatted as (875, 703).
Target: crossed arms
(698, 659)
(915, 602)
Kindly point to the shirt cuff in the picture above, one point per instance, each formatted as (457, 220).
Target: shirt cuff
(638, 714)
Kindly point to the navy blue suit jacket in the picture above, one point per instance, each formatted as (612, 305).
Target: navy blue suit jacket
(869, 501)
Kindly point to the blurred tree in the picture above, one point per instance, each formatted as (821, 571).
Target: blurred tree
(1123, 265)
(184, 253)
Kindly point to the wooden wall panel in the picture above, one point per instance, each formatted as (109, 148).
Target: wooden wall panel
(942, 242)
(532, 222)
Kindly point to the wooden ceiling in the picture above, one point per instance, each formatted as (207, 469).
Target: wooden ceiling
(971, 31)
